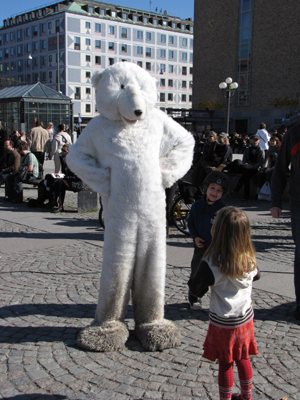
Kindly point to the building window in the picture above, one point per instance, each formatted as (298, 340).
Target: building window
(145, 20)
(191, 42)
(140, 34)
(50, 58)
(35, 30)
(155, 21)
(77, 93)
(97, 28)
(183, 70)
(163, 82)
(171, 54)
(87, 25)
(191, 84)
(139, 50)
(27, 32)
(148, 66)
(43, 60)
(91, 9)
(28, 47)
(184, 56)
(244, 51)
(124, 33)
(183, 97)
(163, 38)
(11, 36)
(191, 70)
(111, 46)
(87, 42)
(35, 46)
(184, 84)
(35, 62)
(77, 43)
(88, 90)
(124, 48)
(111, 30)
(98, 44)
(184, 41)
(170, 82)
(19, 65)
(49, 25)
(162, 97)
(148, 35)
(174, 25)
(124, 16)
(171, 69)
(19, 50)
(43, 44)
(11, 51)
(162, 68)
(148, 52)
(98, 60)
(163, 53)
(171, 39)
(135, 18)
(12, 65)
(170, 96)
(165, 23)
(50, 74)
(102, 11)
(113, 14)
(140, 64)
(183, 27)
(190, 98)
(191, 57)
(88, 58)
(111, 61)
(43, 28)
(88, 74)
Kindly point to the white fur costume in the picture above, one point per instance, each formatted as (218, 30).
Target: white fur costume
(130, 154)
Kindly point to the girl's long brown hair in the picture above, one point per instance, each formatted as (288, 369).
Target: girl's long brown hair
(231, 249)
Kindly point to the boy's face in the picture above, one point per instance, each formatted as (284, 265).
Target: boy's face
(214, 193)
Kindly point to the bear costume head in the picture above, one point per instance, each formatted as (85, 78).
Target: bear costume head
(124, 91)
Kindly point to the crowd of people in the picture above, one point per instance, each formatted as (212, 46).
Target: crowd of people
(214, 152)
(22, 161)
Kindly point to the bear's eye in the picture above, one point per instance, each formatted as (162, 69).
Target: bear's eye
(122, 86)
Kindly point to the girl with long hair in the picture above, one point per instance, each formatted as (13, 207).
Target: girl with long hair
(229, 267)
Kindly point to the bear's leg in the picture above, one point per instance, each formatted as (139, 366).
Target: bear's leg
(108, 331)
(153, 331)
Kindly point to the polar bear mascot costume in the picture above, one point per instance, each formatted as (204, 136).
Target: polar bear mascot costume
(129, 154)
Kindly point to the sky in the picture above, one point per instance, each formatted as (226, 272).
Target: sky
(178, 8)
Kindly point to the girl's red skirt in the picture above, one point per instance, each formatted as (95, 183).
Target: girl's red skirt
(229, 344)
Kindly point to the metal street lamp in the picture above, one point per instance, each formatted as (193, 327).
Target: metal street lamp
(228, 88)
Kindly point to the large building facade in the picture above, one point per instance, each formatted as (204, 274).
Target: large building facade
(63, 44)
(256, 43)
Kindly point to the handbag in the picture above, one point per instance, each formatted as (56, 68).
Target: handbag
(265, 192)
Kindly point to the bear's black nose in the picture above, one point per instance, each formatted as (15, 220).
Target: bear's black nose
(138, 112)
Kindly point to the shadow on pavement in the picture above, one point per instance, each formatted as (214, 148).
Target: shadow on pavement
(38, 396)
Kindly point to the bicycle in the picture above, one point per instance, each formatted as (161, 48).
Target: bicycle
(186, 195)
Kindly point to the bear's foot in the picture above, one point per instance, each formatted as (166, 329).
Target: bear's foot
(158, 335)
(109, 336)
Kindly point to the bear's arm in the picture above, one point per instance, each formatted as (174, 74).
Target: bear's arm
(83, 160)
(176, 151)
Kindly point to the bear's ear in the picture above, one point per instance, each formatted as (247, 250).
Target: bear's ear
(96, 78)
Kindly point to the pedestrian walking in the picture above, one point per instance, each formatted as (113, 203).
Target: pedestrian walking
(289, 155)
(228, 268)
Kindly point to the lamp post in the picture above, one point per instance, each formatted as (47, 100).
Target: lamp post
(228, 88)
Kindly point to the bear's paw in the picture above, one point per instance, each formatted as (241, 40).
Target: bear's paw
(109, 336)
(158, 335)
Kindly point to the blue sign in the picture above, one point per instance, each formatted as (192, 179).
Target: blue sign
(79, 119)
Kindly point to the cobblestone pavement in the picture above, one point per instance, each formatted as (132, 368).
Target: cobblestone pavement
(47, 295)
